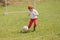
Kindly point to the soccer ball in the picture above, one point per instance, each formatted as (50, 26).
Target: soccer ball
(25, 28)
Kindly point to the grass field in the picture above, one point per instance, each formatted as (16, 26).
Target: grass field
(48, 23)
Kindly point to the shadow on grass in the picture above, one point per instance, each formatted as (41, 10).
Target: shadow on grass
(25, 32)
(58, 34)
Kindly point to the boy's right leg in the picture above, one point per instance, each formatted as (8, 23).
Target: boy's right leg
(30, 23)
(35, 24)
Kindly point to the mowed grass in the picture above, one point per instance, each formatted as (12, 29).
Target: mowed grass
(48, 27)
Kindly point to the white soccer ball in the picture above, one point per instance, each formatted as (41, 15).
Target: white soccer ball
(25, 28)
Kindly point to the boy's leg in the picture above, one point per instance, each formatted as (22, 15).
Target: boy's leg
(30, 23)
(35, 24)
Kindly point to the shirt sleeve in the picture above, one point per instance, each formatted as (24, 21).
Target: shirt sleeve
(36, 13)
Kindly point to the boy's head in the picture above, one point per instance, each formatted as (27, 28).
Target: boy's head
(30, 7)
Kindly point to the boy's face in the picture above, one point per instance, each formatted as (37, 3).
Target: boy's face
(30, 9)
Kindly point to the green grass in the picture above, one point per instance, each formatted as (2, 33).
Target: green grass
(48, 23)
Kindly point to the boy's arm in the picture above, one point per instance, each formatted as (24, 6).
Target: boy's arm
(37, 14)
(29, 13)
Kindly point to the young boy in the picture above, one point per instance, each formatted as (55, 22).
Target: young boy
(33, 17)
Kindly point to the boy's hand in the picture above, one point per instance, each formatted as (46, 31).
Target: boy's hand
(28, 14)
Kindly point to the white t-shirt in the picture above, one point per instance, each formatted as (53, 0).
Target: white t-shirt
(33, 14)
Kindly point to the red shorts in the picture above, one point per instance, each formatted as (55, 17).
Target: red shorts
(32, 21)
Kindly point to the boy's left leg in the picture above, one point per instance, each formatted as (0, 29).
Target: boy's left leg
(30, 23)
(35, 24)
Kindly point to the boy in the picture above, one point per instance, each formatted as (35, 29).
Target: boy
(33, 17)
